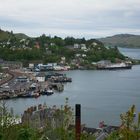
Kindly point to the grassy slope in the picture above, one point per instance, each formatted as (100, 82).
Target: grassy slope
(122, 40)
(21, 36)
(5, 35)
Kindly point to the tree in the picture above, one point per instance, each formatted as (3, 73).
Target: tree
(0, 68)
(130, 128)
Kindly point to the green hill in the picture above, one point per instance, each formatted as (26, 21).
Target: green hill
(5, 35)
(21, 36)
(122, 40)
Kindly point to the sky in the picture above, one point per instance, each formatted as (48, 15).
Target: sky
(77, 18)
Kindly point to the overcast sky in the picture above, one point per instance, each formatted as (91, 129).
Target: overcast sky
(78, 18)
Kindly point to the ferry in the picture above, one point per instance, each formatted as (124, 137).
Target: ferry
(115, 66)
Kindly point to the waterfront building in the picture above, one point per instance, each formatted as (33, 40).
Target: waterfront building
(40, 77)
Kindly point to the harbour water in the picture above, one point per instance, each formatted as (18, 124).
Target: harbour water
(132, 53)
(103, 95)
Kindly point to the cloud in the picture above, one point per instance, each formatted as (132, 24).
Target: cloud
(71, 17)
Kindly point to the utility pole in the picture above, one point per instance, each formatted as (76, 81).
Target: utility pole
(77, 121)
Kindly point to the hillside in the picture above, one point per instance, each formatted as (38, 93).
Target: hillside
(122, 40)
(5, 35)
(21, 36)
(73, 51)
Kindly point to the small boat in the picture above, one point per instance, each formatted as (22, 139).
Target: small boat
(47, 92)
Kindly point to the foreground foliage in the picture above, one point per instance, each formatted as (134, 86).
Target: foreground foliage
(130, 127)
(10, 130)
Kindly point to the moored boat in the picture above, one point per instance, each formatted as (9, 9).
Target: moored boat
(47, 92)
(115, 66)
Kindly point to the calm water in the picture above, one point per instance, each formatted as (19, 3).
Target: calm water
(104, 95)
(133, 53)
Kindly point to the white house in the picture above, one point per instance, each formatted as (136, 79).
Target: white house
(77, 55)
(84, 55)
(63, 60)
(83, 47)
(94, 44)
(31, 65)
(76, 46)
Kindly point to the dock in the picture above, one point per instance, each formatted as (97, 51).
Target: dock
(22, 84)
(57, 86)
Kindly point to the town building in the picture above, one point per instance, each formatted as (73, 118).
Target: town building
(40, 77)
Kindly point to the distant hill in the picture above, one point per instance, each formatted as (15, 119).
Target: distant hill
(5, 35)
(122, 40)
(21, 36)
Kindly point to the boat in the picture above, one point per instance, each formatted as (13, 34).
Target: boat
(47, 92)
(31, 94)
(115, 66)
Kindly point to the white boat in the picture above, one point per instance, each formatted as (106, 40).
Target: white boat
(116, 66)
